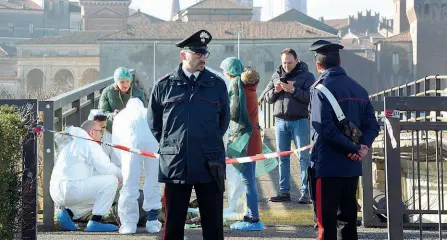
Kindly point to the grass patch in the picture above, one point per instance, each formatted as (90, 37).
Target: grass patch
(295, 217)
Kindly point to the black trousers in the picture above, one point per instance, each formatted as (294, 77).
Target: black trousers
(336, 208)
(176, 200)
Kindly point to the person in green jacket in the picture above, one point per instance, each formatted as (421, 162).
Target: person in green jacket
(114, 97)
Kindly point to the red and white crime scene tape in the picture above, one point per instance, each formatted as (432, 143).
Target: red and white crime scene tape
(259, 157)
(40, 129)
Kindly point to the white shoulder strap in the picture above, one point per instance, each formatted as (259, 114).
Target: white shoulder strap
(332, 101)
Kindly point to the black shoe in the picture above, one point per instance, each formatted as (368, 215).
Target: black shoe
(282, 197)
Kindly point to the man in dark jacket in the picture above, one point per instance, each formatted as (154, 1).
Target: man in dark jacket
(336, 154)
(189, 115)
(289, 92)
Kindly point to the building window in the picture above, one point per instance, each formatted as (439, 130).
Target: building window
(269, 66)
(395, 59)
(229, 48)
(427, 11)
(11, 27)
(31, 28)
(60, 7)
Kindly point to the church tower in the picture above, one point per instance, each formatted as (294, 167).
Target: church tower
(175, 8)
(401, 23)
(57, 14)
(428, 29)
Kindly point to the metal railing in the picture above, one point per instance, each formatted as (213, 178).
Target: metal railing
(428, 86)
(393, 169)
(267, 114)
(67, 109)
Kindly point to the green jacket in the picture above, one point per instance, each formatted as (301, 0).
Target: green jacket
(111, 99)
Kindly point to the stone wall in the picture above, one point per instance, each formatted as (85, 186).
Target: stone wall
(390, 74)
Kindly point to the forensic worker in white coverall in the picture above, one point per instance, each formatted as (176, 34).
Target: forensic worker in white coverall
(98, 116)
(84, 180)
(130, 129)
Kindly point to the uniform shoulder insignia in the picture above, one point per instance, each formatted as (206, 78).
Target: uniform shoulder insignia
(216, 76)
(164, 77)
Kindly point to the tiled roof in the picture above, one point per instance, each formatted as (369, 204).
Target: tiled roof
(337, 23)
(402, 37)
(142, 18)
(19, 4)
(212, 4)
(83, 37)
(220, 30)
(297, 16)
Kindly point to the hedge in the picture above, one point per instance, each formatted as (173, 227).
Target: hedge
(11, 134)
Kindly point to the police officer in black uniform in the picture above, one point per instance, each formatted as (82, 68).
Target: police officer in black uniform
(338, 145)
(189, 115)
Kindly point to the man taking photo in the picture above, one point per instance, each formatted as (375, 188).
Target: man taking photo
(289, 92)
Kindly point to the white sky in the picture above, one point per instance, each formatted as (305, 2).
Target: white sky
(329, 9)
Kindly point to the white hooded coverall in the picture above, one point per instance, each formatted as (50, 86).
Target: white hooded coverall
(83, 178)
(130, 128)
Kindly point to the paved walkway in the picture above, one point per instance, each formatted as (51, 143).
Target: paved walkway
(271, 232)
(281, 216)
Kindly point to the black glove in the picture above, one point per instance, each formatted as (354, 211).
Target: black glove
(217, 170)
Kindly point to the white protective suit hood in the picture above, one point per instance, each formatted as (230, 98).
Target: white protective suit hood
(132, 131)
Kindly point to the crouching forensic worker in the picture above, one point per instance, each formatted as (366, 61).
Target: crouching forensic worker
(84, 180)
(98, 116)
(343, 128)
(114, 97)
(245, 136)
(130, 129)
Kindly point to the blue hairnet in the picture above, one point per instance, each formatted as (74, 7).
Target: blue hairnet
(122, 73)
(232, 66)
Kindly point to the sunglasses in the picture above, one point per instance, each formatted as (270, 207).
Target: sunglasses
(199, 55)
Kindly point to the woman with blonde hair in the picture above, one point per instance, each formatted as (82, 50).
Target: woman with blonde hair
(114, 97)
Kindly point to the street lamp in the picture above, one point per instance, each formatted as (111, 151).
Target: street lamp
(238, 42)
(43, 69)
(155, 43)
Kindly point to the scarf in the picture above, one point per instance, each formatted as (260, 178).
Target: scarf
(241, 130)
(240, 125)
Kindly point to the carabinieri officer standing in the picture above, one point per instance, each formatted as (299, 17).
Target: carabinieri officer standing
(339, 143)
(189, 114)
